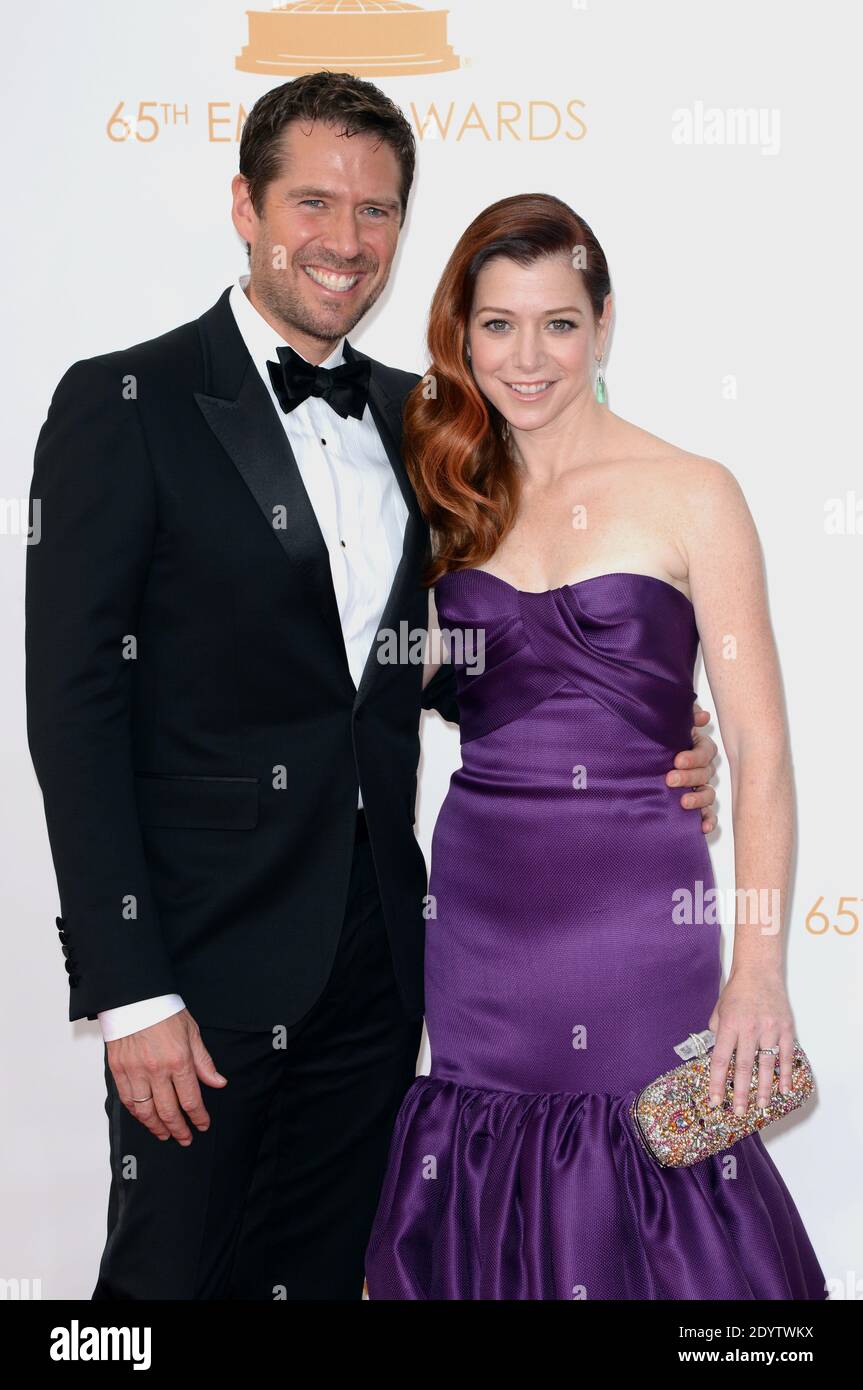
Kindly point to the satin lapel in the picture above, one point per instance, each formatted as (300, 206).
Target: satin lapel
(387, 415)
(239, 411)
(242, 416)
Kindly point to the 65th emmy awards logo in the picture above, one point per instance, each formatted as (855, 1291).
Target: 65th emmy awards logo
(368, 38)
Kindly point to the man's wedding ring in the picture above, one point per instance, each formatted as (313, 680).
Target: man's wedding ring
(139, 1100)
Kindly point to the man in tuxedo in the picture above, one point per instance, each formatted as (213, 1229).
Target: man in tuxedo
(228, 770)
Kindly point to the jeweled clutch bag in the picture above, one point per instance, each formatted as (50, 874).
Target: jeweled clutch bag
(675, 1122)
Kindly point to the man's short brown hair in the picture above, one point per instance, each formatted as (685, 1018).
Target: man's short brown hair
(336, 98)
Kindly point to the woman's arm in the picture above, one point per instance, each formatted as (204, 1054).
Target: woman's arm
(432, 657)
(439, 687)
(726, 576)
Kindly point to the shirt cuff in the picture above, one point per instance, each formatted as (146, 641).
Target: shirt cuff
(131, 1018)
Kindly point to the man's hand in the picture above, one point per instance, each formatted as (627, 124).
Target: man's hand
(696, 768)
(157, 1071)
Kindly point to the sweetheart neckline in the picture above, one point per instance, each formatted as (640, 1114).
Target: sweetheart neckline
(590, 579)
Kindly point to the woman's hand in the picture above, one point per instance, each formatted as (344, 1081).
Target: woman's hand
(751, 1012)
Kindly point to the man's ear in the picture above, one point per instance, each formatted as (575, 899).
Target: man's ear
(243, 214)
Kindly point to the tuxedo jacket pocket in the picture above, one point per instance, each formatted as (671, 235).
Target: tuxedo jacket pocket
(202, 803)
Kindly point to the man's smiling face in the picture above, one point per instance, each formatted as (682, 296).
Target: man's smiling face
(323, 242)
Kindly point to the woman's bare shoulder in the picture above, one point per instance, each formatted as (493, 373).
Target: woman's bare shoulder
(661, 462)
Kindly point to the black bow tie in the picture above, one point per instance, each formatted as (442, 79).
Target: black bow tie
(345, 388)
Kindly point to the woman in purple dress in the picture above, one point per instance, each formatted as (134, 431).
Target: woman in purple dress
(578, 562)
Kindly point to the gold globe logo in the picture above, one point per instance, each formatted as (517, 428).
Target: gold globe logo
(368, 38)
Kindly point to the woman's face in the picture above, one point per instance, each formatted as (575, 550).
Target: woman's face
(532, 338)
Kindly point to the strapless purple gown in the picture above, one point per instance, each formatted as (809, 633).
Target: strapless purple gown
(558, 982)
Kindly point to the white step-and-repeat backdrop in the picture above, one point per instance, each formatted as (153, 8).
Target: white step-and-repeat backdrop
(713, 148)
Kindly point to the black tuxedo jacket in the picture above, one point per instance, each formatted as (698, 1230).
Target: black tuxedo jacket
(191, 715)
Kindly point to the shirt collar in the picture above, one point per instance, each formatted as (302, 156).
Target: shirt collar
(261, 338)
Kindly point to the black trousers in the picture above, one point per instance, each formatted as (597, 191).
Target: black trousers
(276, 1200)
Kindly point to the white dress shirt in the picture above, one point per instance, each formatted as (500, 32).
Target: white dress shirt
(362, 515)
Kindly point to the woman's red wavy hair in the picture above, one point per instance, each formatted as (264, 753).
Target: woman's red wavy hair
(454, 448)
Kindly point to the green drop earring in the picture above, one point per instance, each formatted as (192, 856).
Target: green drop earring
(599, 387)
